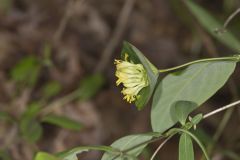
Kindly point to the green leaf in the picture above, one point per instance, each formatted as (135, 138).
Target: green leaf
(72, 153)
(45, 156)
(26, 71)
(197, 83)
(6, 117)
(186, 151)
(32, 111)
(90, 85)
(211, 24)
(137, 57)
(180, 130)
(63, 122)
(127, 142)
(196, 119)
(51, 89)
(181, 109)
(31, 129)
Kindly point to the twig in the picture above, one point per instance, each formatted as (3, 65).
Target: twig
(117, 33)
(160, 146)
(228, 114)
(63, 23)
(221, 109)
(226, 117)
(60, 102)
(56, 38)
(230, 18)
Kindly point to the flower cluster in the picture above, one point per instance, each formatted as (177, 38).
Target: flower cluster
(133, 77)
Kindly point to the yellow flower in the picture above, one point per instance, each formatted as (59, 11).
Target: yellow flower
(133, 77)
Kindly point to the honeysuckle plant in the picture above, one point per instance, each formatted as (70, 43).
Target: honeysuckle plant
(174, 98)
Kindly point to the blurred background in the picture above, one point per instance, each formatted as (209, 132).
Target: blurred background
(57, 83)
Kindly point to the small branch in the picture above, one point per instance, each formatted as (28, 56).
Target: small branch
(221, 109)
(64, 21)
(60, 102)
(160, 146)
(230, 18)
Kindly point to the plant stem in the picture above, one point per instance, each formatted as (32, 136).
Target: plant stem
(230, 18)
(219, 131)
(221, 109)
(226, 117)
(177, 130)
(60, 102)
(160, 146)
(233, 58)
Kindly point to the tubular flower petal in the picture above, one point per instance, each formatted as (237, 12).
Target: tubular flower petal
(133, 77)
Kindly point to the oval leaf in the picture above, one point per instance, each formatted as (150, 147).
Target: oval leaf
(51, 89)
(126, 143)
(197, 83)
(72, 154)
(31, 129)
(181, 109)
(27, 71)
(186, 151)
(196, 119)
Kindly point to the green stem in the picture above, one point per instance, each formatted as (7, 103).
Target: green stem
(233, 58)
(196, 140)
(219, 131)
(160, 146)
